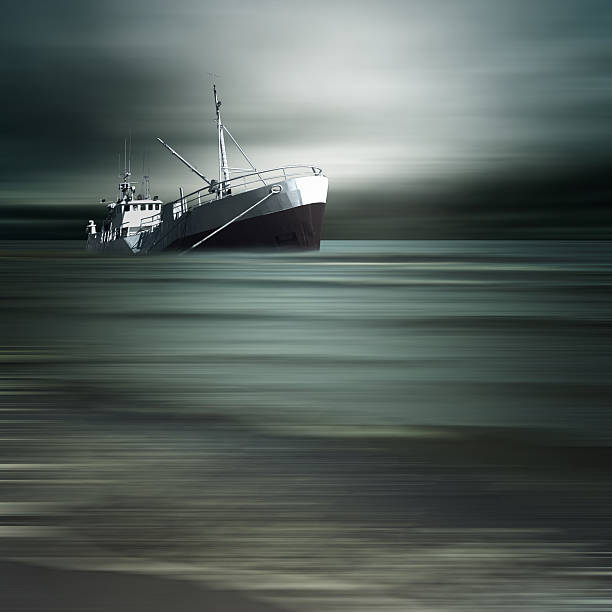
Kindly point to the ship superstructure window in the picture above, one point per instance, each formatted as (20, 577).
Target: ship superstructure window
(143, 207)
(126, 208)
(150, 206)
(157, 207)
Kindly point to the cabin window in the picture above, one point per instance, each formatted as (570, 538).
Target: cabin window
(124, 231)
(150, 206)
(126, 208)
(157, 207)
(143, 207)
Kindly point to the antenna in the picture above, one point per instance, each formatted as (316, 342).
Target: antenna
(212, 76)
(130, 157)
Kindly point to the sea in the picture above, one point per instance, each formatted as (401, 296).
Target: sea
(379, 425)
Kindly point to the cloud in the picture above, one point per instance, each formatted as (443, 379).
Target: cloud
(403, 93)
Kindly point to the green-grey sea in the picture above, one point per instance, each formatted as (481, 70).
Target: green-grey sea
(410, 425)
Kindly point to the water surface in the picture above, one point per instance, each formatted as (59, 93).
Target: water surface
(380, 425)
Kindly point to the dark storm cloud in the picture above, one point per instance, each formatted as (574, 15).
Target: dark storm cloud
(433, 103)
(564, 202)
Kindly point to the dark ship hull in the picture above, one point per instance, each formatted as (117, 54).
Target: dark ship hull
(298, 228)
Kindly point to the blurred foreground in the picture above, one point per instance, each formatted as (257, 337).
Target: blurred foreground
(378, 426)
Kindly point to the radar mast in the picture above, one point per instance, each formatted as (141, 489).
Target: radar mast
(224, 173)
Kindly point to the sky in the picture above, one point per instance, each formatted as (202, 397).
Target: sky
(438, 119)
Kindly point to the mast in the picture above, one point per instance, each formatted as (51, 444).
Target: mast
(126, 190)
(224, 174)
(145, 179)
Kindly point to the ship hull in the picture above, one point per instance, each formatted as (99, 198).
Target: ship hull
(288, 214)
(298, 228)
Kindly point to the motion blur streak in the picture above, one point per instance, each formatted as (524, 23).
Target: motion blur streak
(458, 119)
(379, 426)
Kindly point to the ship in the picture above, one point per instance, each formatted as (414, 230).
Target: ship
(243, 208)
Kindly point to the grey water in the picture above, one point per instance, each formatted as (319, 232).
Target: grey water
(378, 425)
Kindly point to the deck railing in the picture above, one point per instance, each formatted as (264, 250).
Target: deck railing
(239, 184)
(149, 223)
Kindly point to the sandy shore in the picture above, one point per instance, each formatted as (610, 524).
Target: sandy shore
(39, 589)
